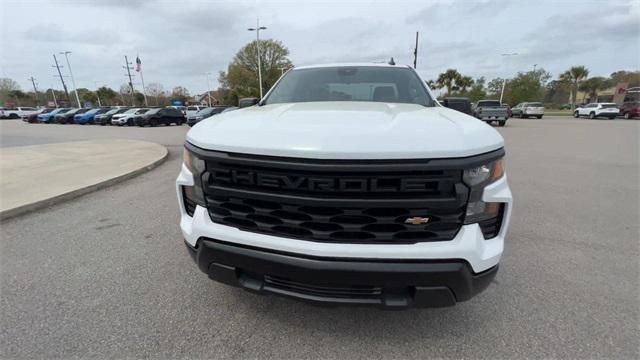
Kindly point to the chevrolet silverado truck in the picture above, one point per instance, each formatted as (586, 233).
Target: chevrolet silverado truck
(347, 184)
(490, 111)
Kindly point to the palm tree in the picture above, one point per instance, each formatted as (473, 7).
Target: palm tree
(464, 82)
(449, 80)
(592, 85)
(574, 76)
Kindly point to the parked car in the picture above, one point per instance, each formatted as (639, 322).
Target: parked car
(595, 110)
(180, 108)
(33, 118)
(230, 108)
(630, 109)
(526, 109)
(2, 110)
(48, 117)
(462, 104)
(353, 197)
(192, 110)
(67, 117)
(105, 118)
(18, 113)
(205, 113)
(127, 117)
(157, 116)
(490, 111)
(88, 116)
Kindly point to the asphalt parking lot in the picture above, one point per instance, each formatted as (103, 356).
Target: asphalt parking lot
(107, 276)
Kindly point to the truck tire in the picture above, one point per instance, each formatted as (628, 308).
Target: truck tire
(502, 123)
(539, 116)
(592, 115)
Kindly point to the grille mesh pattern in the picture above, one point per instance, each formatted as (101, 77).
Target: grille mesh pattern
(335, 201)
(347, 292)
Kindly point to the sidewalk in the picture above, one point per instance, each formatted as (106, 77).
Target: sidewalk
(37, 176)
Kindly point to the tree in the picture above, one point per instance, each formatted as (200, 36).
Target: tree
(526, 86)
(449, 80)
(7, 85)
(241, 77)
(477, 91)
(494, 87)
(592, 85)
(574, 76)
(138, 97)
(107, 95)
(180, 93)
(17, 95)
(623, 76)
(156, 91)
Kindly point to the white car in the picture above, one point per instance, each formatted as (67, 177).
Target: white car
(18, 113)
(348, 184)
(127, 117)
(528, 109)
(594, 110)
(192, 111)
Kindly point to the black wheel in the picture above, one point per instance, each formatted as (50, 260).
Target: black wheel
(627, 116)
(130, 122)
(523, 116)
(592, 115)
(502, 123)
(13, 116)
(612, 117)
(153, 122)
(539, 116)
(576, 114)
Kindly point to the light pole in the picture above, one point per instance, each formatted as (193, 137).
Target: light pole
(534, 67)
(208, 88)
(504, 82)
(75, 89)
(257, 30)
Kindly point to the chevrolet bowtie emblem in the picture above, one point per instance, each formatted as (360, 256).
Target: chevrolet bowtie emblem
(416, 220)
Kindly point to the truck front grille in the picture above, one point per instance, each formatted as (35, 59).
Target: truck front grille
(340, 201)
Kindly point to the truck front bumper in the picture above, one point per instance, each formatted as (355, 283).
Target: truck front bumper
(386, 283)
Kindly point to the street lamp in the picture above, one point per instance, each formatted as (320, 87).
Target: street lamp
(504, 81)
(208, 88)
(257, 30)
(75, 89)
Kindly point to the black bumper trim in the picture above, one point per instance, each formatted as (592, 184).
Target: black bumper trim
(402, 283)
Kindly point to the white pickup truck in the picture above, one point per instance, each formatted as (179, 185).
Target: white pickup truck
(347, 184)
(17, 113)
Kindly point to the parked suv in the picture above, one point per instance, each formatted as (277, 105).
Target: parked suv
(205, 113)
(595, 110)
(630, 109)
(157, 116)
(104, 119)
(347, 184)
(127, 117)
(528, 109)
(67, 117)
(49, 117)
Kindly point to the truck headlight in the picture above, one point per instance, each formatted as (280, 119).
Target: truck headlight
(193, 195)
(477, 179)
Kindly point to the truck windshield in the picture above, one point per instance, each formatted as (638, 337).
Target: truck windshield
(350, 83)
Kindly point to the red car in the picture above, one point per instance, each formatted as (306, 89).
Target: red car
(630, 109)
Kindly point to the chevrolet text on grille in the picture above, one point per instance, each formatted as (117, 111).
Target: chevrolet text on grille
(321, 183)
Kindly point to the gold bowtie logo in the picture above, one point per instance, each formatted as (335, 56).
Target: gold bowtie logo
(416, 220)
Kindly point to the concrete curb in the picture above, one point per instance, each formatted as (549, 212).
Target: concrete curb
(7, 214)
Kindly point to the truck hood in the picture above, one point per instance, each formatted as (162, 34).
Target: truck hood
(346, 130)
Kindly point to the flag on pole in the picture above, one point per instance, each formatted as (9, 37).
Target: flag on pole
(138, 64)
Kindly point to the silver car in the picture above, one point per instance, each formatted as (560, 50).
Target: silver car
(526, 109)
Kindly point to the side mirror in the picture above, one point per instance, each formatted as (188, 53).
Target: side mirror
(246, 102)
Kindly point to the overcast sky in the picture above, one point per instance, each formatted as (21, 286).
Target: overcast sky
(180, 41)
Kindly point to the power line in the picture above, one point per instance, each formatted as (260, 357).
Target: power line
(35, 89)
(126, 66)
